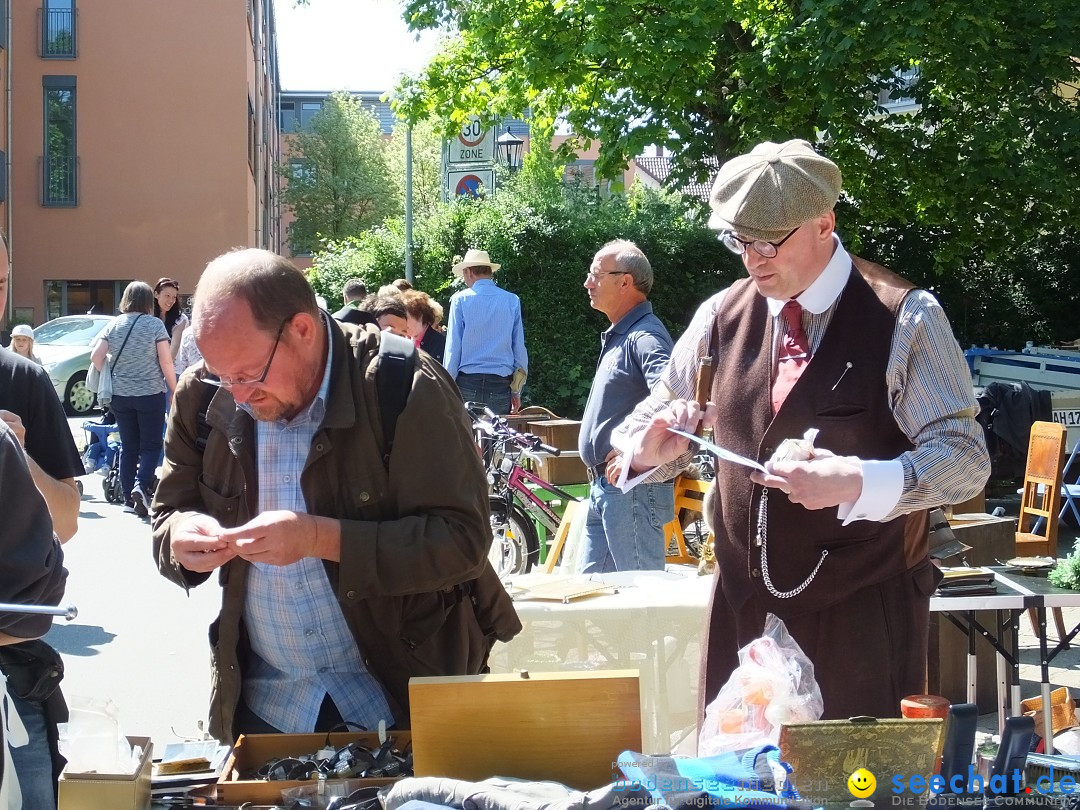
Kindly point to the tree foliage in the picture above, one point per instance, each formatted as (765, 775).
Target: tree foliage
(989, 160)
(338, 180)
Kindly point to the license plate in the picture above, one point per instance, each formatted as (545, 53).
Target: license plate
(1069, 418)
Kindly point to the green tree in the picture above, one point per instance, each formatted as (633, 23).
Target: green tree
(989, 159)
(338, 180)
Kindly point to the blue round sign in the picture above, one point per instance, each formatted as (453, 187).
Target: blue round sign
(469, 184)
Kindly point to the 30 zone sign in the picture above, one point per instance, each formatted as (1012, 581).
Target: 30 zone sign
(473, 144)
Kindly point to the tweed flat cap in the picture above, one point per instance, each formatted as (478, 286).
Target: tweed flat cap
(774, 189)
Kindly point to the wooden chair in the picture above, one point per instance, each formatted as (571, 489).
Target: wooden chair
(1040, 500)
(689, 494)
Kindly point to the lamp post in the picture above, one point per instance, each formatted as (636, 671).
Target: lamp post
(508, 148)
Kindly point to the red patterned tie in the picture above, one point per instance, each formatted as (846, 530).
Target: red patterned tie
(793, 356)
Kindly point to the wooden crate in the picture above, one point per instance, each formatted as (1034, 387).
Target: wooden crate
(562, 726)
(253, 750)
(561, 433)
(565, 468)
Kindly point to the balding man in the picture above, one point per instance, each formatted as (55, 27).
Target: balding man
(834, 540)
(624, 530)
(348, 565)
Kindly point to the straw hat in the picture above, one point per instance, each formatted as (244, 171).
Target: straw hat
(474, 258)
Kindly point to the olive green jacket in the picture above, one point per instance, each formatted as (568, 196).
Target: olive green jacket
(414, 582)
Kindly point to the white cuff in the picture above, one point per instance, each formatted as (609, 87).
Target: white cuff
(623, 483)
(883, 484)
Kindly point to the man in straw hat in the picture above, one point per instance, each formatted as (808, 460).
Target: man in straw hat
(485, 342)
(833, 539)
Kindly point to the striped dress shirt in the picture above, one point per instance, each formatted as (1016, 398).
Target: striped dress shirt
(302, 648)
(929, 385)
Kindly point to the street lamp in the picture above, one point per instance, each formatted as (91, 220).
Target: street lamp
(509, 149)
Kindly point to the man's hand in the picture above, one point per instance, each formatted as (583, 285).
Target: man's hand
(277, 538)
(515, 403)
(197, 545)
(658, 445)
(823, 481)
(15, 423)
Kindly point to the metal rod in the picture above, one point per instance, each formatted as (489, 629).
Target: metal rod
(69, 612)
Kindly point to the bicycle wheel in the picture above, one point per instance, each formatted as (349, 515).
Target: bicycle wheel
(514, 544)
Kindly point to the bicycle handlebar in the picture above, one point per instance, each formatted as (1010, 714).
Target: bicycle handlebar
(499, 428)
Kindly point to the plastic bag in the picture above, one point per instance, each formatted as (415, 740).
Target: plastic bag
(773, 685)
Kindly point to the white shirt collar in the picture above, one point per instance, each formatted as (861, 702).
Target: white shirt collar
(826, 288)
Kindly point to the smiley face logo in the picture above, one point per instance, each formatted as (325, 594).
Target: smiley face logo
(861, 783)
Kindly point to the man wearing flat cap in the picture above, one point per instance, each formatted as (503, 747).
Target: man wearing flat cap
(485, 342)
(833, 538)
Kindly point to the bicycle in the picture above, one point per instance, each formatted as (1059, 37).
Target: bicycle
(515, 545)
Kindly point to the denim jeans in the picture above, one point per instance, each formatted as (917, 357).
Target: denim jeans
(625, 530)
(491, 389)
(33, 761)
(141, 421)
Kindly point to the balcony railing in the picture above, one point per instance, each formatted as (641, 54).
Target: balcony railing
(59, 180)
(58, 33)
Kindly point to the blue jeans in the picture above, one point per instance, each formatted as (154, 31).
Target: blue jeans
(33, 762)
(491, 389)
(625, 530)
(141, 421)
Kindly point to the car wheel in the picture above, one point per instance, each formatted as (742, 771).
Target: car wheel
(78, 399)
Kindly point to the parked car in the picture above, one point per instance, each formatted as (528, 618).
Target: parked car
(64, 346)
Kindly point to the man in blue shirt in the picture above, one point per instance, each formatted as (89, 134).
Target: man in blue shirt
(624, 531)
(485, 342)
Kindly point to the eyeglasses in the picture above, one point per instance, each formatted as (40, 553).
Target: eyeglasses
(227, 383)
(761, 247)
(591, 276)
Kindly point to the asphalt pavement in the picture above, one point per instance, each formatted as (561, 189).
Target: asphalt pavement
(139, 641)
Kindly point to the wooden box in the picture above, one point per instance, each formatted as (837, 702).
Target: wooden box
(565, 468)
(116, 791)
(561, 433)
(563, 726)
(253, 750)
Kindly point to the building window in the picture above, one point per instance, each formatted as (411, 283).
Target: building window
(308, 110)
(3, 28)
(60, 163)
(82, 297)
(58, 29)
(900, 99)
(287, 117)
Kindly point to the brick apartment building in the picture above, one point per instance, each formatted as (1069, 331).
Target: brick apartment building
(139, 140)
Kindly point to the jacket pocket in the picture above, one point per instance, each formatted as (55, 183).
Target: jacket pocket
(842, 411)
(224, 508)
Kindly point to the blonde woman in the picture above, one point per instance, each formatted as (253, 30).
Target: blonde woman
(22, 342)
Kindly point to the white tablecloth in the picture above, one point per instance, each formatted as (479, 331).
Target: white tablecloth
(654, 624)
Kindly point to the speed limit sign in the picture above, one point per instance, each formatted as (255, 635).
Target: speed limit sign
(473, 144)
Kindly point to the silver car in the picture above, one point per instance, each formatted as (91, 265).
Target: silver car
(64, 346)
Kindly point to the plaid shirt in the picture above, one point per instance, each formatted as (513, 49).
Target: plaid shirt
(302, 648)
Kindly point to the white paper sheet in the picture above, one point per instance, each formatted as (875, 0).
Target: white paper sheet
(720, 452)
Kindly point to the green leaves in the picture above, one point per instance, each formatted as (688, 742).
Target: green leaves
(989, 154)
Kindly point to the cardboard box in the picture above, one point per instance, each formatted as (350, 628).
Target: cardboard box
(254, 750)
(563, 726)
(561, 433)
(565, 468)
(116, 791)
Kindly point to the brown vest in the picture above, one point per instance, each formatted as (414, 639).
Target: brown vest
(851, 411)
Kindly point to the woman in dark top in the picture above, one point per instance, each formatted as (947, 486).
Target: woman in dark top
(423, 315)
(167, 308)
